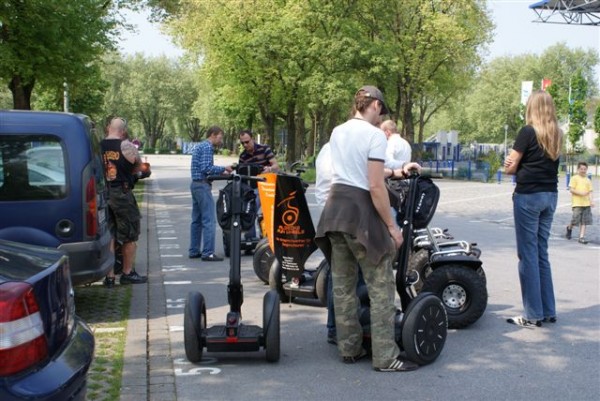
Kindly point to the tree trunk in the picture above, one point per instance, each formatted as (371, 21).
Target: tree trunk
(290, 122)
(21, 92)
(268, 120)
(301, 141)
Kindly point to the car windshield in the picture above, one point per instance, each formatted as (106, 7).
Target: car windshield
(32, 167)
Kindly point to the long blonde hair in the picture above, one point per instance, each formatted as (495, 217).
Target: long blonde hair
(541, 115)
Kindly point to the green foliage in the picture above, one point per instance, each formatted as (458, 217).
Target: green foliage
(150, 92)
(494, 98)
(310, 175)
(577, 112)
(49, 41)
(494, 160)
(286, 62)
(225, 152)
(149, 150)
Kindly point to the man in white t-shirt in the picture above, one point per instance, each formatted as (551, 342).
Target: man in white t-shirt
(324, 173)
(356, 227)
(398, 151)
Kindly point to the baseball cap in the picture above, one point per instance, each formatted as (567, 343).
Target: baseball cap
(371, 91)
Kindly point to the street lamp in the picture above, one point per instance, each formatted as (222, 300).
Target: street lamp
(65, 96)
(505, 136)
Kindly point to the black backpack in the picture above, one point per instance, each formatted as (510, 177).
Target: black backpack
(426, 200)
(224, 215)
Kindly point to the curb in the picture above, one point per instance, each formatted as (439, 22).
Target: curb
(147, 364)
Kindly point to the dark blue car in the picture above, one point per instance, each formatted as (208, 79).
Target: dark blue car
(45, 349)
(52, 190)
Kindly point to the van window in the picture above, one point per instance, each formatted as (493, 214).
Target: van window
(32, 167)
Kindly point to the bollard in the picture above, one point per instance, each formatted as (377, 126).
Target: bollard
(499, 176)
(568, 176)
(469, 171)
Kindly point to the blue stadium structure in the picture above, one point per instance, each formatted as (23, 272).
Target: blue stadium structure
(574, 12)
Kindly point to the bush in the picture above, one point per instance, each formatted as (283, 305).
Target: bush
(494, 161)
(149, 151)
(225, 152)
(163, 151)
(310, 175)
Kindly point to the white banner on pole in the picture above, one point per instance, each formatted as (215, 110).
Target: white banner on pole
(526, 89)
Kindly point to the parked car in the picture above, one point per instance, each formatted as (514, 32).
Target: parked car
(45, 349)
(52, 190)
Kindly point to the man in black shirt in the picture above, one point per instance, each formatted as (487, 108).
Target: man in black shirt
(121, 159)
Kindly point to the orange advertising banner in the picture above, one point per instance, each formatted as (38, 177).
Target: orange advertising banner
(266, 192)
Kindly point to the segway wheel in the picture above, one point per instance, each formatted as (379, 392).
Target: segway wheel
(194, 324)
(276, 280)
(463, 292)
(226, 247)
(424, 329)
(271, 325)
(419, 262)
(263, 257)
(323, 276)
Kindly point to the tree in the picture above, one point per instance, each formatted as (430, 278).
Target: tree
(494, 98)
(423, 54)
(149, 92)
(597, 128)
(577, 113)
(50, 42)
(85, 95)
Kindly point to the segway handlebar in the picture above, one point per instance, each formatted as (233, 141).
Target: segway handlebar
(230, 177)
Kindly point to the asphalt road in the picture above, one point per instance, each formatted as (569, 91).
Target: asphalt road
(489, 360)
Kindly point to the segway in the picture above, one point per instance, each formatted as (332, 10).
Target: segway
(452, 270)
(421, 324)
(233, 336)
(292, 239)
(263, 253)
(246, 244)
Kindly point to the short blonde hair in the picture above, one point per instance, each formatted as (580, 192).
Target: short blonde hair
(389, 125)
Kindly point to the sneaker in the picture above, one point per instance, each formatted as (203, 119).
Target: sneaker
(132, 278)
(109, 282)
(194, 255)
(399, 365)
(521, 321)
(569, 232)
(582, 240)
(212, 258)
(353, 359)
(331, 338)
(549, 319)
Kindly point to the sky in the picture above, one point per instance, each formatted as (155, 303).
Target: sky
(515, 33)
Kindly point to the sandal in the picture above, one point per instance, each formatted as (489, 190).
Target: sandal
(521, 321)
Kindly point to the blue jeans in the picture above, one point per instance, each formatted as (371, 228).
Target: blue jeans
(251, 233)
(533, 215)
(204, 219)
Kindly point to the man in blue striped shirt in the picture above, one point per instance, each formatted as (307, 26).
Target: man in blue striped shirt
(204, 219)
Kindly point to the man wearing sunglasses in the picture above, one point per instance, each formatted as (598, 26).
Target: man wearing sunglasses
(262, 156)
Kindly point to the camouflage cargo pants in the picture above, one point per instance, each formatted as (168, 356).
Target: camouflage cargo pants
(346, 252)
